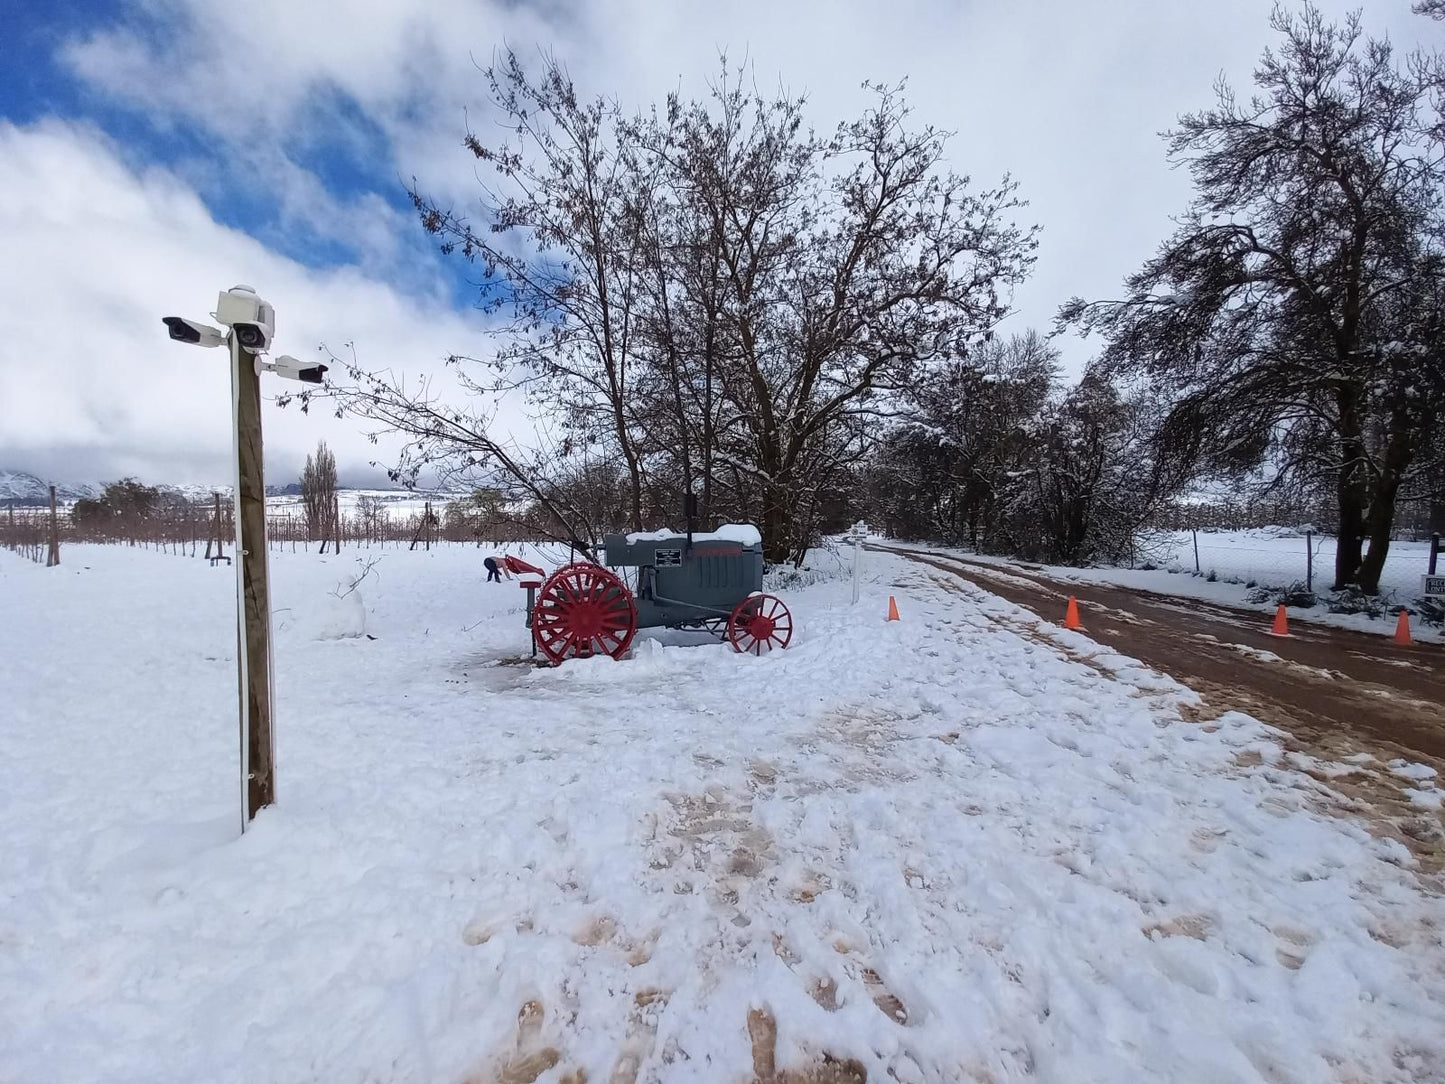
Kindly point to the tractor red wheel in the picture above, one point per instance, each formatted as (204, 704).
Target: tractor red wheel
(583, 610)
(760, 623)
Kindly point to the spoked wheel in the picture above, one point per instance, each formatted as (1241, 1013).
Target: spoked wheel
(583, 610)
(759, 624)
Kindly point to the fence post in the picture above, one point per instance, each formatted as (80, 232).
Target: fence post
(1197, 569)
(52, 558)
(220, 533)
(1309, 561)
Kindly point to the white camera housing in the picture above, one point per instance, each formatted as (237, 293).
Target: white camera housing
(193, 331)
(312, 372)
(250, 319)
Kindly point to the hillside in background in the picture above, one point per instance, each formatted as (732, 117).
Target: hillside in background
(22, 489)
(18, 487)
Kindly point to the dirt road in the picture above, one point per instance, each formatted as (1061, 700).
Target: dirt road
(1338, 693)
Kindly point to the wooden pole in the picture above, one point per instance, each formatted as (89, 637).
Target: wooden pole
(52, 557)
(253, 589)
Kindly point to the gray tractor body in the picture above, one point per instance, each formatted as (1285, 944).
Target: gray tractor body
(683, 582)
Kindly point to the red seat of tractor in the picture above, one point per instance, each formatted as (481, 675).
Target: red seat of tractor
(530, 583)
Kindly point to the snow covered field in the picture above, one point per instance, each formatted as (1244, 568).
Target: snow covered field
(1277, 556)
(965, 846)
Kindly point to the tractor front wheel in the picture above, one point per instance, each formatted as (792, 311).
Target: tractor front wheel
(583, 610)
(760, 623)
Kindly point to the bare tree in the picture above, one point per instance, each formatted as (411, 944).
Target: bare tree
(560, 249)
(318, 491)
(824, 273)
(711, 293)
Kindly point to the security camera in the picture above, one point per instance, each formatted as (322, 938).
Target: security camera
(193, 331)
(252, 320)
(294, 369)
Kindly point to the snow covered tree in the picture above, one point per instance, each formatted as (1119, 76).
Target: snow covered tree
(1093, 480)
(1290, 315)
(968, 429)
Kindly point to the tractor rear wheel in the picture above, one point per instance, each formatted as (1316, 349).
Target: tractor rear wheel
(583, 610)
(759, 624)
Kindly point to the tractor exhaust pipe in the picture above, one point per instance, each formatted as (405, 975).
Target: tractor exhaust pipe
(689, 513)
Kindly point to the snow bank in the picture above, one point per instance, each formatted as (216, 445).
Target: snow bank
(962, 845)
(745, 533)
(339, 617)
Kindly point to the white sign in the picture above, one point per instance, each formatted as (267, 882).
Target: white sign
(1433, 586)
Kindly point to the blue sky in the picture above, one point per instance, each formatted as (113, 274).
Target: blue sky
(153, 152)
(335, 139)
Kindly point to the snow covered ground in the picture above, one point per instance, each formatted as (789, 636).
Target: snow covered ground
(1240, 561)
(965, 846)
(1279, 556)
(396, 502)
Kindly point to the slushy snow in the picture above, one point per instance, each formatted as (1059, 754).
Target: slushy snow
(962, 846)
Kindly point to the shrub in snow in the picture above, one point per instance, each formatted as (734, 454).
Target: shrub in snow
(1430, 610)
(786, 578)
(1296, 594)
(1351, 600)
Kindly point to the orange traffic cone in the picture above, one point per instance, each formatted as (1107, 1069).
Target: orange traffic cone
(1071, 615)
(892, 608)
(1281, 623)
(1402, 630)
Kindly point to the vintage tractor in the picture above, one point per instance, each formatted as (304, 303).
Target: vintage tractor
(708, 581)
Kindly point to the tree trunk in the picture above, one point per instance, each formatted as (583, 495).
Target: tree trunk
(1382, 515)
(1350, 541)
(1399, 453)
(1350, 492)
(777, 526)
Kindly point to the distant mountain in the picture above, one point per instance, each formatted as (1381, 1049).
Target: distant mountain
(20, 488)
(23, 489)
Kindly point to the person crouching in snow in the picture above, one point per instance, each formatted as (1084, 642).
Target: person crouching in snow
(496, 567)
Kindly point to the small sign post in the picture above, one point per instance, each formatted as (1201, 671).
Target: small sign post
(856, 534)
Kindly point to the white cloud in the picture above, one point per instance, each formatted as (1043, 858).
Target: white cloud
(1068, 97)
(96, 254)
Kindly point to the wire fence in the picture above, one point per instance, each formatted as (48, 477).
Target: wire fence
(1276, 557)
(1415, 521)
(206, 529)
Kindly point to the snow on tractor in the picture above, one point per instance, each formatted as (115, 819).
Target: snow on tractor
(708, 581)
